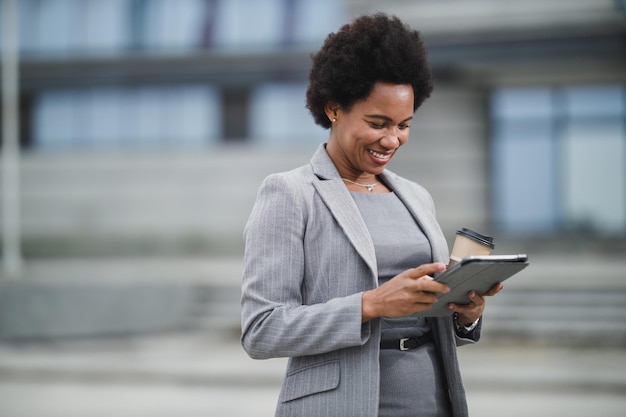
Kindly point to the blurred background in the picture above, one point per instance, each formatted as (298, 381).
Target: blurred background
(145, 127)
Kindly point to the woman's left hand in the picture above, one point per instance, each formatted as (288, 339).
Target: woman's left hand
(469, 313)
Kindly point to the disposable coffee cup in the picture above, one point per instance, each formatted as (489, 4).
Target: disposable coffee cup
(469, 243)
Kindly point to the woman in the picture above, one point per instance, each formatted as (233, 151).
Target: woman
(340, 253)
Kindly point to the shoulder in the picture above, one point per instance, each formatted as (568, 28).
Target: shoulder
(280, 201)
(293, 182)
(288, 189)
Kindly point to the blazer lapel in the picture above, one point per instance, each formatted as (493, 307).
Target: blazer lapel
(337, 198)
(418, 209)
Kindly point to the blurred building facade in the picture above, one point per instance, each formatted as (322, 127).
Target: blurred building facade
(524, 135)
(148, 125)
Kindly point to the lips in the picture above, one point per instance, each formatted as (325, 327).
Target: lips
(380, 156)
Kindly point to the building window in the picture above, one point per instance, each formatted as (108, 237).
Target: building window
(559, 159)
(148, 117)
(278, 116)
(79, 27)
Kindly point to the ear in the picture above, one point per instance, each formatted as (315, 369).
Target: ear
(331, 109)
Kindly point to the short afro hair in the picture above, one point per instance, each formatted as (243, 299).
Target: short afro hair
(371, 49)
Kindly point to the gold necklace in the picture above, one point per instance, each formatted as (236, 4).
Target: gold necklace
(370, 187)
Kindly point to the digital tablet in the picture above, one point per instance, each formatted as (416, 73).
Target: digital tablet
(474, 273)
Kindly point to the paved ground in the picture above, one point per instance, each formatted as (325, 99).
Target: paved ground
(190, 375)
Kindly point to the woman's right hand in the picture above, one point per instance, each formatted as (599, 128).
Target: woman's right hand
(411, 291)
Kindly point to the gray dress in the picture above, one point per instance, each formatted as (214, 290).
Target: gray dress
(411, 382)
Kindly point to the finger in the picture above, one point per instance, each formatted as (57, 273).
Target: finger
(428, 285)
(427, 269)
(468, 310)
(459, 308)
(475, 299)
(493, 290)
(423, 297)
(421, 307)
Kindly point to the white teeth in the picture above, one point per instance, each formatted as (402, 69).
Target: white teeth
(378, 155)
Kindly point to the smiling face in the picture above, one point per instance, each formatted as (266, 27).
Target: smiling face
(364, 138)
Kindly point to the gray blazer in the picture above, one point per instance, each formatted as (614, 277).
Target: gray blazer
(308, 257)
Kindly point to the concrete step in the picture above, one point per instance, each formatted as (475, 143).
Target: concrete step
(215, 308)
(112, 297)
(551, 302)
(581, 317)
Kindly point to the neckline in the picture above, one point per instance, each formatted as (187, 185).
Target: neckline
(371, 194)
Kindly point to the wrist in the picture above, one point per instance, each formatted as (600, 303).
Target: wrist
(367, 306)
(464, 327)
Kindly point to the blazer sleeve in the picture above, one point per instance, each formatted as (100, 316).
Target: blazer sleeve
(469, 338)
(275, 321)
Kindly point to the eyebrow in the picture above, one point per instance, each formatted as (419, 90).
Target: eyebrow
(387, 118)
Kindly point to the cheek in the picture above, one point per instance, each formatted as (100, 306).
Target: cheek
(370, 135)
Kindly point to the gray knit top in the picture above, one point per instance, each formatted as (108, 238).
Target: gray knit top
(411, 382)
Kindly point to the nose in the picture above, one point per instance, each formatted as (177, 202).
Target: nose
(391, 140)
